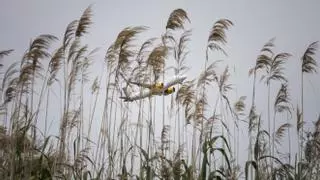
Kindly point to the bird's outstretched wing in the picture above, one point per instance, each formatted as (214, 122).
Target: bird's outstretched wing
(174, 80)
(136, 96)
(144, 85)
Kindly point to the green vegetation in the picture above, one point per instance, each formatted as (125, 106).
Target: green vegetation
(127, 146)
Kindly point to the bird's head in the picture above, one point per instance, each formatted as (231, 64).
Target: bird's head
(171, 90)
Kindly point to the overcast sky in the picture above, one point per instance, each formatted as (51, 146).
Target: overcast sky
(295, 24)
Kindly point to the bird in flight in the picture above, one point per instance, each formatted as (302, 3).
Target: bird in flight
(153, 89)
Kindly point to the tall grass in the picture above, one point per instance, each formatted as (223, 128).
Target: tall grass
(198, 137)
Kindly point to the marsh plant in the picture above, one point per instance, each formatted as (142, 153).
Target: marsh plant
(197, 133)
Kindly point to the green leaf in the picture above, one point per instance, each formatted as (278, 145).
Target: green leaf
(254, 164)
(86, 174)
(214, 175)
(223, 152)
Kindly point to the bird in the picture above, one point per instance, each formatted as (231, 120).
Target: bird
(159, 88)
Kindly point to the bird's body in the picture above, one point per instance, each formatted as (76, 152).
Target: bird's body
(157, 88)
(154, 89)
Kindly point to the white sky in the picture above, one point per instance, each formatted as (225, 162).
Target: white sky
(295, 24)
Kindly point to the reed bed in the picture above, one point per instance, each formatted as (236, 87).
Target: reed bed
(190, 134)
